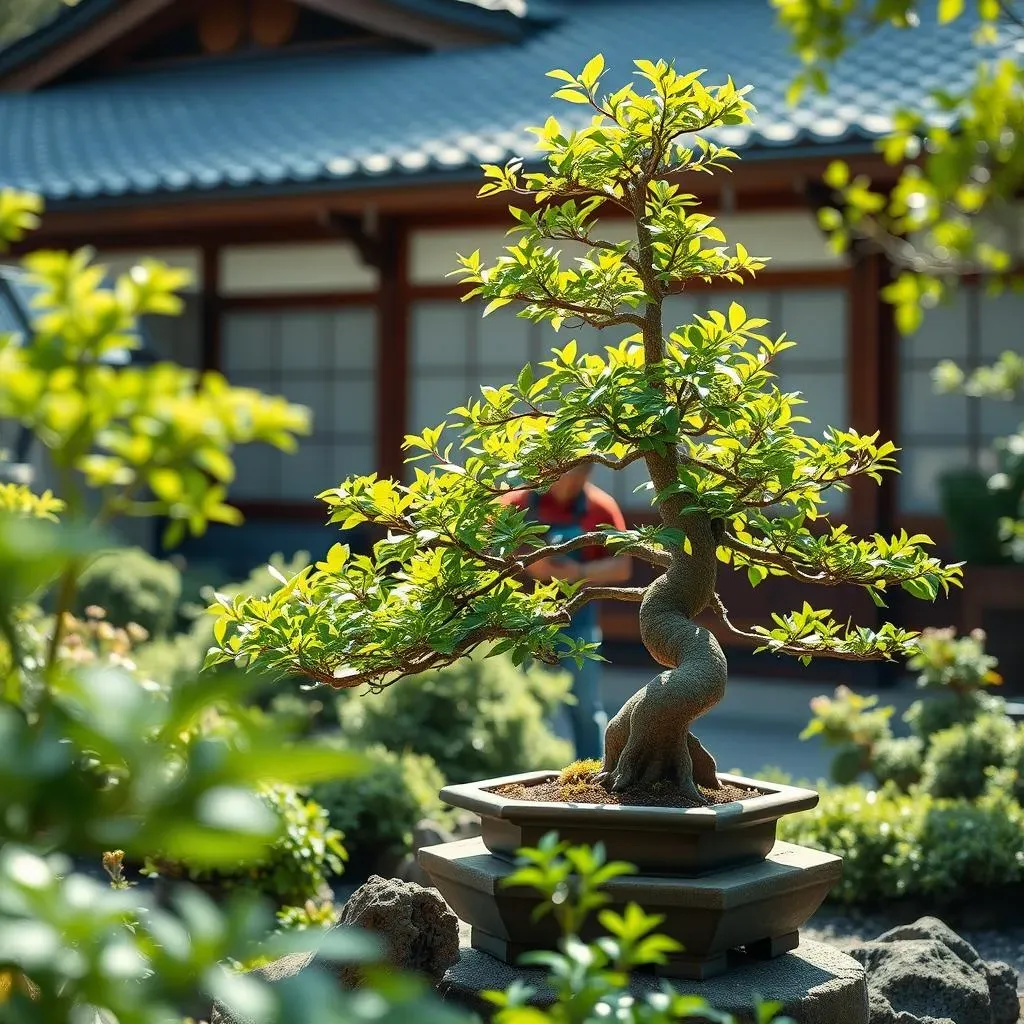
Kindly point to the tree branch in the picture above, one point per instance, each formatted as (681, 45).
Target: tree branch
(551, 301)
(779, 559)
(588, 594)
(800, 650)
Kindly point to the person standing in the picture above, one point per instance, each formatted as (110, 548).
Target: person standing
(571, 506)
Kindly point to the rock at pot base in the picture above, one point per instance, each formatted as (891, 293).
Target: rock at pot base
(924, 973)
(419, 931)
(816, 984)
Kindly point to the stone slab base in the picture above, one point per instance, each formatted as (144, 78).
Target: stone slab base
(816, 984)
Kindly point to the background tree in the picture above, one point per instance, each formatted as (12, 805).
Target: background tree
(955, 207)
(732, 478)
(20, 17)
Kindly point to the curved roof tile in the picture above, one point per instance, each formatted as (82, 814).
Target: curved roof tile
(344, 118)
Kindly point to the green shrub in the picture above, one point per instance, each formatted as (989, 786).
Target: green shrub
(169, 660)
(958, 759)
(935, 713)
(132, 586)
(964, 847)
(297, 866)
(310, 916)
(378, 809)
(954, 664)
(179, 658)
(956, 673)
(898, 760)
(478, 719)
(897, 845)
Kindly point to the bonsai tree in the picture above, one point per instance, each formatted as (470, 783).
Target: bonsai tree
(732, 478)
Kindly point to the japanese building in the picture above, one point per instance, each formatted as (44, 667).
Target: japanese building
(314, 163)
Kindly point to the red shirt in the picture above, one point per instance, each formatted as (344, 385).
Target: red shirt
(600, 509)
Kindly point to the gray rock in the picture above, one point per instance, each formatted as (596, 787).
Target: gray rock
(279, 970)
(933, 928)
(880, 1010)
(1002, 990)
(925, 978)
(430, 833)
(419, 930)
(999, 978)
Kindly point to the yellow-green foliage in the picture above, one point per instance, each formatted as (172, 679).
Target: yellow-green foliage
(19, 500)
(896, 845)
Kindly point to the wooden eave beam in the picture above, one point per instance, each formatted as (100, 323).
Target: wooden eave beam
(82, 45)
(440, 203)
(398, 23)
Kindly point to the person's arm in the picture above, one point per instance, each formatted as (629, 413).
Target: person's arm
(609, 569)
(613, 569)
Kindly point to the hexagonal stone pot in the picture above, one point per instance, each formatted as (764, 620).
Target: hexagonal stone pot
(755, 908)
(677, 841)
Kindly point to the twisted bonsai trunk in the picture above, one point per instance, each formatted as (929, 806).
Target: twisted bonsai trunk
(649, 740)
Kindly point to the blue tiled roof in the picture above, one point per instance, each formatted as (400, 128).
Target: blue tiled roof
(337, 120)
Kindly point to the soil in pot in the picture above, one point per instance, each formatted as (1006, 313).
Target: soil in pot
(577, 785)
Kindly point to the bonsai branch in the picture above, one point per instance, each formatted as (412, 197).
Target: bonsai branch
(796, 648)
(606, 318)
(588, 594)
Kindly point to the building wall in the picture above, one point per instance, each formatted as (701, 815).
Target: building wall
(453, 351)
(302, 319)
(376, 358)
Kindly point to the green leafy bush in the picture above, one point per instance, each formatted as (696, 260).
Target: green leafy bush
(942, 710)
(959, 729)
(176, 658)
(959, 758)
(478, 719)
(898, 846)
(310, 916)
(297, 866)
(898, 760)
(378, 809)
(132, 586)
(854, 725)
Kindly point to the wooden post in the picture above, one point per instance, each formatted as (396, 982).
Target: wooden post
(210, 315)
(392, 347)
(873, 366)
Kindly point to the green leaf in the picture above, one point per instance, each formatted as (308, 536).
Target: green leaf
(950, 10)
(837, 174)
(737, 316)
(571, 96)
(593, 71)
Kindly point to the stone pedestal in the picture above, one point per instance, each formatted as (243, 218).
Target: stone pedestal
(815, 983)
(759, 907)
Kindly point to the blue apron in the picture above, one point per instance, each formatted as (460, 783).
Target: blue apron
(584, 623)
(586, 716)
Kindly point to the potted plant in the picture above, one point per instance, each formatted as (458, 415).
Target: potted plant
(731, 476)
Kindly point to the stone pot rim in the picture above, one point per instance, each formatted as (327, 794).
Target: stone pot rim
(774, 801)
